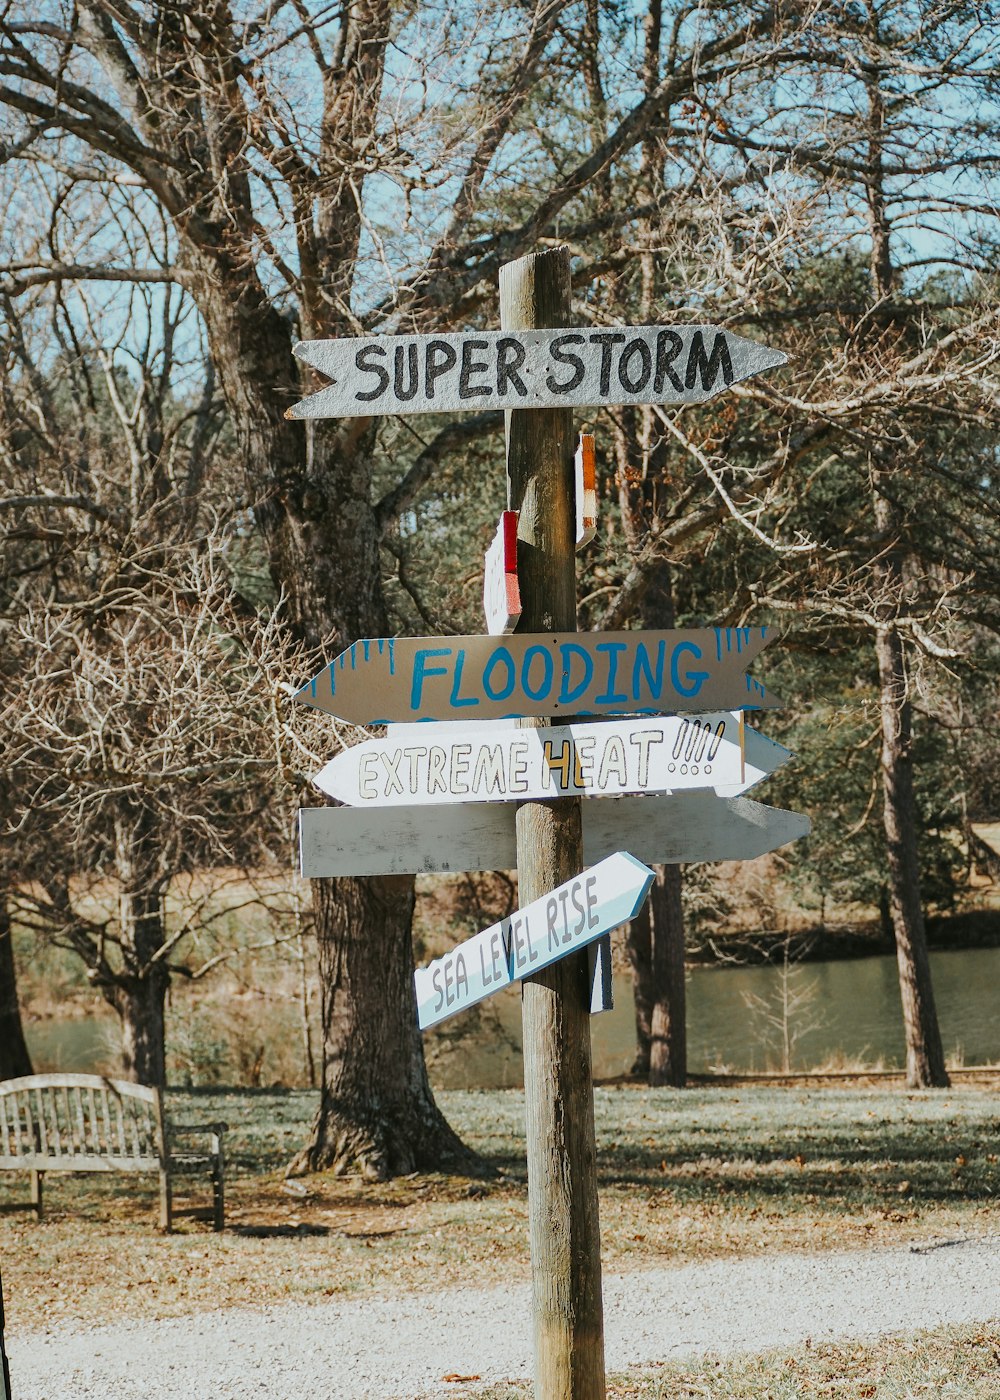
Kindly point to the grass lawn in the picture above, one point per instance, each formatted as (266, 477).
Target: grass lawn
(685, 1175)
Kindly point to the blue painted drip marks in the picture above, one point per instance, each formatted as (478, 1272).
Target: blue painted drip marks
(354, 655)
(366, 644)
(392, 656)
(333, 678)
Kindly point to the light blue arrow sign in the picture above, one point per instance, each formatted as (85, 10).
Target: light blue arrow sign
(570, 917)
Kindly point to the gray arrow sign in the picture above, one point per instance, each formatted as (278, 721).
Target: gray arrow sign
(689, 826)
(478, 370)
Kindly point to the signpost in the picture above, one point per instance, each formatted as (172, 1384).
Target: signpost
(392, 679)
(685, 827)
(526, 783)
(522, 367)
(501, 593)
(479, 763)
(566, 919)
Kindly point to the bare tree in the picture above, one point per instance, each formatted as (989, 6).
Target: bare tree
(313, 185)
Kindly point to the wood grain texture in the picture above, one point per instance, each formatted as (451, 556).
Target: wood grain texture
(685, 827)
(563, 1219)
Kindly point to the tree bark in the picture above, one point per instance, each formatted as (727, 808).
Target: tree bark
(656, 939)
(924, 1054)
(138, 993)
(14, 1057)
(376, 1113)
(639, 945)
(311, 484)
(668, 1023)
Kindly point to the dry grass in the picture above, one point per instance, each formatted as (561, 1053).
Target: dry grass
(949, 1361)
(685, 1175)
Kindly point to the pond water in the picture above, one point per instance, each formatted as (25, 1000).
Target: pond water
(846, 1008)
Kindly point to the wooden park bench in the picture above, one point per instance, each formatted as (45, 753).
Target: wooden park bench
(85, 1123)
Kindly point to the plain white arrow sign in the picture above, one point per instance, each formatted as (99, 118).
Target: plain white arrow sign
(444, 763)
(570, 917)
(684, 827)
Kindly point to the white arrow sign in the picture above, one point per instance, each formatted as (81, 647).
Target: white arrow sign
(586, 490)
(684, 827)
(478, 370)
(570, 917)
(501, 590)
(418, 764)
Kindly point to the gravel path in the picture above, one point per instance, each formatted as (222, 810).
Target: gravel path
(398, 1349)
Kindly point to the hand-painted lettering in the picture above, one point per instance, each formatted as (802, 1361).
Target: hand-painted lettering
(488, 774)
(551, 915)
(641, 666)
(708, 366)
(606, 340)
(362, 362)
(510, 359)
(610, 697)
(613, 763)
(585, 761)
(563, 895)
(519, 767)
(593, 919)
(575, 895)
(437, 763)
(692, 681)
(405, 389)
(500, 657)
(636, 381)
(668, 346)
(568, 694)
(460, 755)
(459, 702)
(439, 358)
(566, 357)
(545, 654)
(466, 389)
(415, 754)
(367, 786)
(421, 670)
(643, 740)
(391, 760)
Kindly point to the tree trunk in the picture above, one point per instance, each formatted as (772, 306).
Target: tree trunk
(668, 1027)
(924, 1054)
(639, 943)
(14, 1057)
(311, 485)
(376, 1112)
(656, 939)
(138, 994)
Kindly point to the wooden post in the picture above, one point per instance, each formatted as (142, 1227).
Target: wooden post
(559, 1097)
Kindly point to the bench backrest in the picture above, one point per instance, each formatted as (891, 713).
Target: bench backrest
(80, 1122)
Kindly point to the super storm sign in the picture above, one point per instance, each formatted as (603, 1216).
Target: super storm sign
(527, 369)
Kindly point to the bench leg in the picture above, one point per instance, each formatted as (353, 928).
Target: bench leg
(36, 1192)
(166, 1202)
(218, 1197)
